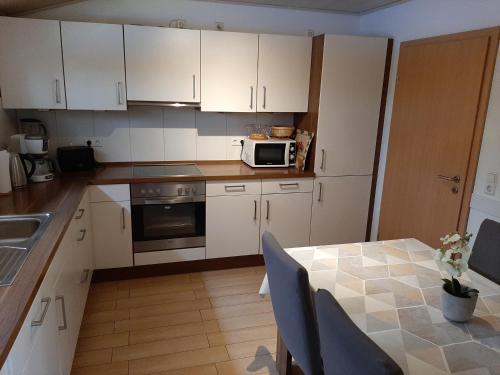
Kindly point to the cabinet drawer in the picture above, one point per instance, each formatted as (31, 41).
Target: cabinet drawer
(237, 187)
(109, 193)
(299, 185)
(169, 256)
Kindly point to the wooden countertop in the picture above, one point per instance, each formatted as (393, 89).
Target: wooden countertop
(62, 197)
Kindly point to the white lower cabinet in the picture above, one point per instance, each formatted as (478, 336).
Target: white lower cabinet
(340, 209)
(46, 341)
(111, 226)
(233, 225)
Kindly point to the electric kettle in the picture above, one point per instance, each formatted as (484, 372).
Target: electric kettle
(18, 172)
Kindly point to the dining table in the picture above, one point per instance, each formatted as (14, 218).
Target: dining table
(392, 292)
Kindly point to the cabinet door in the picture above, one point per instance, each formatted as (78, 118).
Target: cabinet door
(94, 66)
(284, 69)
(31, 70)
(340, 209)
(232, 225)
(349, 108)
(112, 231)
(162, 64)
(287, 217)
(229, 66)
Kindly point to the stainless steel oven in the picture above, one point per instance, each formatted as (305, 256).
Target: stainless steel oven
(167, 216)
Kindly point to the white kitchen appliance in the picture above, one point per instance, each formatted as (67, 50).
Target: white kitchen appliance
(269, 152)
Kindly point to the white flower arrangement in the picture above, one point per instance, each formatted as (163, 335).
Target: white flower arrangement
(455, 253)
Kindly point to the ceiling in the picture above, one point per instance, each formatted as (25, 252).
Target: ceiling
(344, 6)
(15, 7)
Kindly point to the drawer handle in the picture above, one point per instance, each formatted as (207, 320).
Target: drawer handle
(255, 209)
(83, 232)
(323, 164)
(320, 195)
(81, 211)
(268, 206)
(45, 302)
(234, 188)
(123, 218)
(85, 275)
(290, 186)
(63, 309)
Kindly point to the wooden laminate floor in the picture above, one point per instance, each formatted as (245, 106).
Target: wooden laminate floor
(207, 323)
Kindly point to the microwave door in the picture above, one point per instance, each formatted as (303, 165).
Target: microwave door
(270, 154)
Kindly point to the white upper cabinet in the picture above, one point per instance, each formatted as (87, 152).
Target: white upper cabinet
(284, 70)
(94, 66)
(349, 107)
(163, 64)
(31, 65)
(229, 71)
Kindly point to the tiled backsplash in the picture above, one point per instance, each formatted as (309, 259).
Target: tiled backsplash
(153, 133)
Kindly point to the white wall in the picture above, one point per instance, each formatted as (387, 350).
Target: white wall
(203, 15)
(422, 18)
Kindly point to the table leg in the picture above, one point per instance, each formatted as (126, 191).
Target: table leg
(283, 358)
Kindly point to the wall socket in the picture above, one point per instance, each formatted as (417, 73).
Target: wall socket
(491, 184)
(95, 142)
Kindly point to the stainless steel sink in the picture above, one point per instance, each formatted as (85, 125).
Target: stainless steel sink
(18, 233)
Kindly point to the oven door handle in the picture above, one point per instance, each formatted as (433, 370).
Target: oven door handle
(173, 200)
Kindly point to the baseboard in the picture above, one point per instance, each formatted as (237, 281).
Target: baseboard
(152, 270)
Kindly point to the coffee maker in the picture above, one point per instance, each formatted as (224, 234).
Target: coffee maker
(34, 147)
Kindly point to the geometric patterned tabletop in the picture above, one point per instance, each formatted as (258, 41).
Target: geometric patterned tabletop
(392, 291)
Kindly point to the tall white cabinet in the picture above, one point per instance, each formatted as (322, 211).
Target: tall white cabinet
(163, 64)
(283, 74)
(350, 96)
(31, 64)
(94, 66)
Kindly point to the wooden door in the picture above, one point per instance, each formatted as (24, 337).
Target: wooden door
(233, 225)
(94, 66)
(287, 217)
(437, 122)
(283, 87)
(340, 209)
(229, 71)
(31, 66)
(349, 105)
(163, 64)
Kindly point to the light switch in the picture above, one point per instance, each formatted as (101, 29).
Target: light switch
(491, 184)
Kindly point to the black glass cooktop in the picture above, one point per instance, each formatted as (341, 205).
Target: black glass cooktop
(154, 170)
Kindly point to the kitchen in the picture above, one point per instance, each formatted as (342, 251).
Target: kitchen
(181, 193)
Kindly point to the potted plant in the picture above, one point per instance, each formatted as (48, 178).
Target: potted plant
(457, 301)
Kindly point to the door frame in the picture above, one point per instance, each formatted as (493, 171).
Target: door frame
(482, 108)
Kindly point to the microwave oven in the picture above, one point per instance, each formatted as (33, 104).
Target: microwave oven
(269, 152)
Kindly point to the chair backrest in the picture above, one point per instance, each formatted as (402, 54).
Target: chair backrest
(293, 306)
(346, 349)
(485, 257)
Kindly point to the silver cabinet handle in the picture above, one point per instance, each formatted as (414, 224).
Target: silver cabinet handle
(58, 91)
(81, 211)
(251, 97)
(119, 91)
(85, 275)
(290, 186)
(234, 188)
(63, 309)
(320, 195)
(265, 97)
(83, 232)
(322, 166)
(255, 209)
(123, 218)
(455, 179)
(194, 86)
(46, 302)
(268, 205)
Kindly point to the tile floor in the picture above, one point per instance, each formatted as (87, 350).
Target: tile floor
(207, 323)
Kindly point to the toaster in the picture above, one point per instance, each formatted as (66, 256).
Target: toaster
(75, 158)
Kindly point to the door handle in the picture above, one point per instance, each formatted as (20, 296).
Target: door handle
(265, 97)
(58, 91)
(322, 166)
(81, 211)
(37, 323)
(63, 309)
(123, 218)
(268, 205)
(320, 195)
(194, 86)
(119, 90)
(251, 97)
(83, 232)
(255, 209)
(455, 179)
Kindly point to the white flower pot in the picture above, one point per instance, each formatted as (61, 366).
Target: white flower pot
(457, 309)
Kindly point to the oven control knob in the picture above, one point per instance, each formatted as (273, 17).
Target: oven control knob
(158, 191)
(150, 191)
(179, 191)
(187, 191)
(143, 191)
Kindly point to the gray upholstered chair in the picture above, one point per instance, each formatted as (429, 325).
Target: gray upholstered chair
(485, 257)
(293, 306)
(346, 349)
